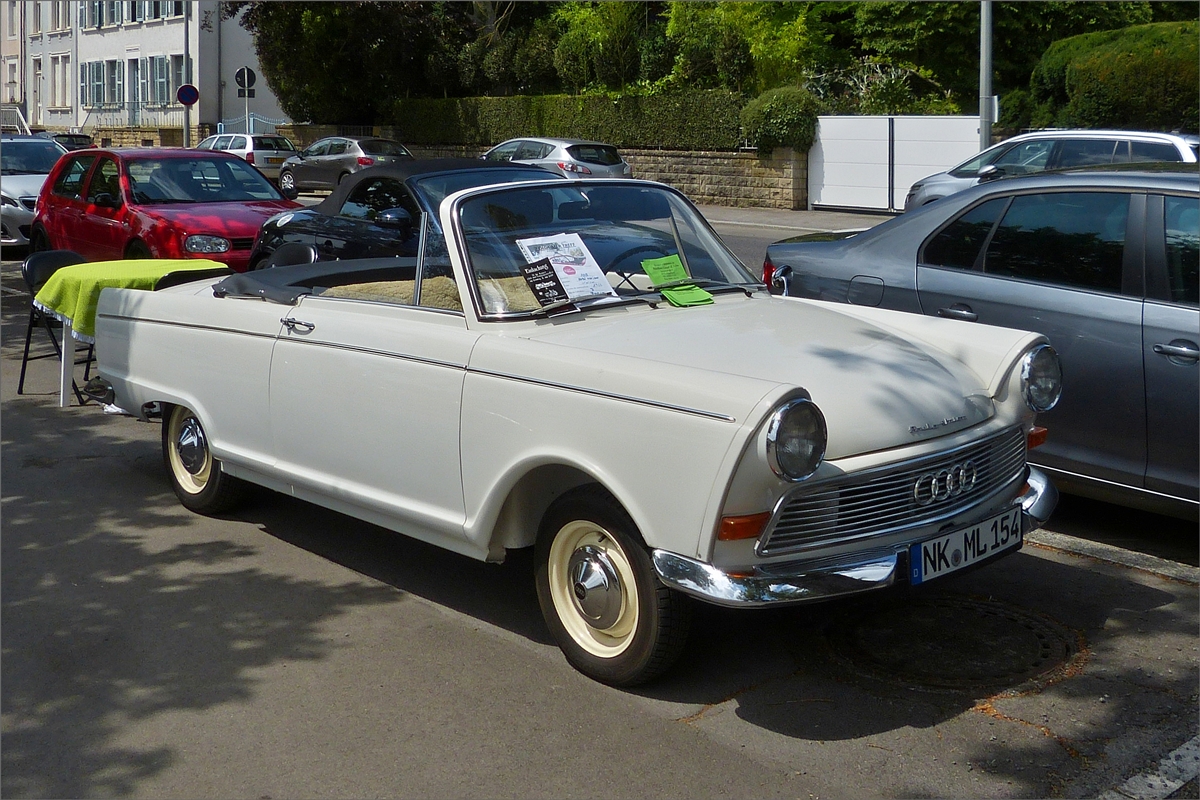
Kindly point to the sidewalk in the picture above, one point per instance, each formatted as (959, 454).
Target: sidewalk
(793, 220)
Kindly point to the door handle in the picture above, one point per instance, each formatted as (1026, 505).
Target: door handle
(1179, 348)
(298, 326)
(959, 311)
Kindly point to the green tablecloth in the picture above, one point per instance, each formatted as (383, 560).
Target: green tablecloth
(72, 293)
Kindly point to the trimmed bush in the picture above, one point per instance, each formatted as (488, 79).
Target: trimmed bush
(694, 120)
(1142, 77)
(783, 117)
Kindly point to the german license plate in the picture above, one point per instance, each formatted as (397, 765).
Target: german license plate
(961, 548)
(274, 160)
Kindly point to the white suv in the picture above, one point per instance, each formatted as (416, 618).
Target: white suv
(1042, 150)
(265, 151)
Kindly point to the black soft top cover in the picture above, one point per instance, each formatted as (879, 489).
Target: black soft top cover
(404, 170)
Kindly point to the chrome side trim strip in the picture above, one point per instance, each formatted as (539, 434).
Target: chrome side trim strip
(608, 395)
(189, 325)
(433, 362)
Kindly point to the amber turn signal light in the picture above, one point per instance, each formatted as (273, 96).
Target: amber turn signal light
(748, 526)
(1036, 437)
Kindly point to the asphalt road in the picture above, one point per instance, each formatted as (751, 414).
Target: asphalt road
(286, 651)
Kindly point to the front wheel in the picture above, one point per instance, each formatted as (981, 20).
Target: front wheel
(38, 240)
(197, 478)
(287, 180)
(605, 607)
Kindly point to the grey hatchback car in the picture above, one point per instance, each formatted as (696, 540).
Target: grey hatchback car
(326, 162)
(571, 158)
(1046, 150)
(1103, 262)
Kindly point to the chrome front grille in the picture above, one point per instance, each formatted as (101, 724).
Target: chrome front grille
(888, 499)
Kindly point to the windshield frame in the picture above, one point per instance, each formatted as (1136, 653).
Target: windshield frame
(452, 206)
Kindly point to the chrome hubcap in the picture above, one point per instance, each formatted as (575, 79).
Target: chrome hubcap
(192, 446)
(595, 587)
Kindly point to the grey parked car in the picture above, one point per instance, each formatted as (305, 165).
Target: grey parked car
(1103, 262)
(326, 163)
(1043, 150)
(571, 158)
(25, 161)
(265, 151)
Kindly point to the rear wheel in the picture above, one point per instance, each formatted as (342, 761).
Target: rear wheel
(197, 478)
(607, 610)
(343, 177)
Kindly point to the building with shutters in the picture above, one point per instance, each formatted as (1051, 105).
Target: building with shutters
(111, 68)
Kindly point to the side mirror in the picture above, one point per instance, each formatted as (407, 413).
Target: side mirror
(397, 219)
(290, 192)
(990, 173)
(106, 200)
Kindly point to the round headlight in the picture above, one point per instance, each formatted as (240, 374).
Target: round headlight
(202, 243)
(1041, 378)
(796, 439)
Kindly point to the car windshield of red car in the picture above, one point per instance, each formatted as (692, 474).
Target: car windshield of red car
(155, 181)
(29, 158)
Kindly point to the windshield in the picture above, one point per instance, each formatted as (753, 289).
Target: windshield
(971, 167)
(383, 147)
(201, 179)
(272, 143)
(532, 249)
(29, 158)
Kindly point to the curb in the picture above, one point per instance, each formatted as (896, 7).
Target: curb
(1161, 567)
(1178, 767)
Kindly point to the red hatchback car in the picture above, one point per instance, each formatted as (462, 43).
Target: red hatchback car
(154, 203)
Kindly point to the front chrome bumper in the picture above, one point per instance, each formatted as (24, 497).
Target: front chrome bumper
(807, 582)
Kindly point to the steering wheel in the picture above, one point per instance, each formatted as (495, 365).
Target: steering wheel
(641, 248)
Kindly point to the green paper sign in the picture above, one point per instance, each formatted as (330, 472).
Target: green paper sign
(669, 269)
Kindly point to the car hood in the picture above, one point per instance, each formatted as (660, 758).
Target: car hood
(229, 219)
(22, 185)
(877, 388)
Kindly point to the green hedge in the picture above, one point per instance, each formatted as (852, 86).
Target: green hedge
(783, 117)
(1141, 77)
(693, 120)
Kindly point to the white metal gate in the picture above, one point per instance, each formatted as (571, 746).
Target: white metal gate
(870, 162)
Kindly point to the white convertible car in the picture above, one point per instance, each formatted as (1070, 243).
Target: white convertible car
(586, 369)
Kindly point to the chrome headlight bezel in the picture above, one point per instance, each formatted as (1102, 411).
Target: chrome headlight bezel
(1041, 378)
(781, 432)
(206, 243)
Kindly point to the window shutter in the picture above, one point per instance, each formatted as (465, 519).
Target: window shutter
(143, 81)
(119, 82)
(84, 100)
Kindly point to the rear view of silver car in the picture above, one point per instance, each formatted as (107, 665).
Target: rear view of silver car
(265, 151)
(327, 162)
(572, 158)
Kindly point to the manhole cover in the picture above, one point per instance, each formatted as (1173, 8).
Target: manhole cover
(950, 643)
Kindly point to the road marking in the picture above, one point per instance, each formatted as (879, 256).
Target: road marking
(1178, 767)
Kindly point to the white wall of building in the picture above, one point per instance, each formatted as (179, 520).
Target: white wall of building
(120, 62)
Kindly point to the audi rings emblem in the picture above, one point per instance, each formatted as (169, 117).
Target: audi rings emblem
(933, 487)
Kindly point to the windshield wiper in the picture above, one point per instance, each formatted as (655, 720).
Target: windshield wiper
(546, 309)
(703, 282)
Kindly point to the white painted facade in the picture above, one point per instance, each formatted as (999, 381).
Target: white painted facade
(116, 63)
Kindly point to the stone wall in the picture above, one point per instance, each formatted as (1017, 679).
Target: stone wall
(147, 137)
(715, 178)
